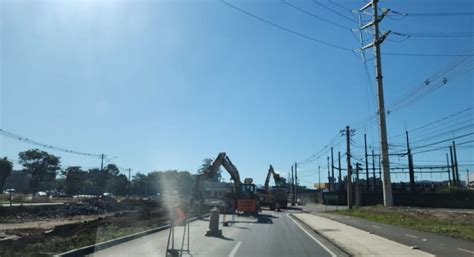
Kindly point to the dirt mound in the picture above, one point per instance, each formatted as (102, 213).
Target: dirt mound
(17, 214)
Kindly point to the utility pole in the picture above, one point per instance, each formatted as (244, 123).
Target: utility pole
(329, 176)
(373, 171)
(357, 186)
(452, 165)
(332, 170)
(449, 172)
(292, 187)
(129, 171)
(458, 182)
(411, 170)
(467, 178)
(340, 177)
(296, 182)
(366, 164)
(102, 162)
(347, 133)
(319, 177)
(378, 39)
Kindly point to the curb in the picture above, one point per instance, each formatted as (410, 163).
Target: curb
(107, 244)
(322, 236)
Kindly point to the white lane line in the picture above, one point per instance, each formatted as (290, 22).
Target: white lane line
(234, 250)
(411, 235)
(376, 226)
(464, 250)
(312, 237)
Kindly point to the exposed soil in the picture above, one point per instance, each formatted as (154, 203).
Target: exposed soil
(53, 229)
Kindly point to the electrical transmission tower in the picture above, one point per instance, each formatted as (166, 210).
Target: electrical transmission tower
(378, 40)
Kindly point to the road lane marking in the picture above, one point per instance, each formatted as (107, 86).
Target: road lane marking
(234, 250)
(312, 237)
(464, 250)
(250, 224)
(376, 226)
(411, 235)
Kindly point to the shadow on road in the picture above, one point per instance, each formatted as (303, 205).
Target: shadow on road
(225, 238)
(265, 219)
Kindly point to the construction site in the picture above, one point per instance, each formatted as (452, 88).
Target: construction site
(236, 128)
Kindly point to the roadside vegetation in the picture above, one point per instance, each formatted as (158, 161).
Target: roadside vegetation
(455, 223)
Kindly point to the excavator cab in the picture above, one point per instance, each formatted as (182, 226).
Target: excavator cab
(248, 200)
(248, 191)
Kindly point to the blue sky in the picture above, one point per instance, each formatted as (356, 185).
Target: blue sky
(165, 84)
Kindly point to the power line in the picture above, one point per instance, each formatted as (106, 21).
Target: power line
(335, 12)
(341, 6)
(316, 16)
(440, 14)
(435, 34)
(426, 55)
(444, 119)
(286, 29)
(328, 43)
(444, 147)
(443, 141)
(431, 84)
(33, 142)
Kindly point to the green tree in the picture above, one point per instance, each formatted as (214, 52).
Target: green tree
(206, 163)
(139, 184)
(118, 185)
(6, 168)
(75, 181)
(41, 165)
(112, 169)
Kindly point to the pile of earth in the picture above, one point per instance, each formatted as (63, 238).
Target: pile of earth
(47, 242)
(18, 214)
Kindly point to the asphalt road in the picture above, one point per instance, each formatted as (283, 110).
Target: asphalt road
(270, 234)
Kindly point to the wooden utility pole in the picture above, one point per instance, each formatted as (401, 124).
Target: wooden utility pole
(411, 170)
(378, 40)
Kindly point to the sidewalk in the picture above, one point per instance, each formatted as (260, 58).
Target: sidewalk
(355, 241)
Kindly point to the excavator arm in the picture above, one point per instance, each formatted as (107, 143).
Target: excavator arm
(279, 181)
(221, 160)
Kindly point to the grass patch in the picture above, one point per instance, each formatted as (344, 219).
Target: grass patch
(413, 220)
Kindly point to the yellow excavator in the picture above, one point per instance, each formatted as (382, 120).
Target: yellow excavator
(243, 198)
(275, 197)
